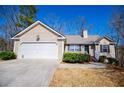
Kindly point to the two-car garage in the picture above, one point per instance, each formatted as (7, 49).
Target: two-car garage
(38, 50)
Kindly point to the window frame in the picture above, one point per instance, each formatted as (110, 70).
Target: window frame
(105, 48)
(75, 48)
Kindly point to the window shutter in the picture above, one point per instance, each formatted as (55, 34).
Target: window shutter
(100, 48)
(109, 48)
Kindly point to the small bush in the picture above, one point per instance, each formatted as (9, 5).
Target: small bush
(102, 59)
(76, 57)
(7, 55)
(113, 61)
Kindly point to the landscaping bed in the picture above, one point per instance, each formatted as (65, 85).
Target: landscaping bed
(78, 77)
(76, 63)
(7, 55)
(109, 60)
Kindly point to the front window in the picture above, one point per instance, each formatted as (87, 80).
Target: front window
(104, 48)
(74, 48)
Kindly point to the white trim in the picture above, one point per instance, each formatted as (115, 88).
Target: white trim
(37, 22)
(74, 48)
(108, 38)
(38, 42)
(59, 38)
(14, 38)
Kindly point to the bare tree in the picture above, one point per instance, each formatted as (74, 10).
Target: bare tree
(118, 21)
(117, 24)
(114, 34)
(76, 26)
(55, 22)
(2, 44)
(9, 15)
(80, 24)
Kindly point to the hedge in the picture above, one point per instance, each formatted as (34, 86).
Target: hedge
(76, 57)
(7, 55)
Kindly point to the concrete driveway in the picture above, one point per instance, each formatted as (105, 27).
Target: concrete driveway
(27, 73)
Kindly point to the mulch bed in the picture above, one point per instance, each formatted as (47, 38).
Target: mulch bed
(76, 63)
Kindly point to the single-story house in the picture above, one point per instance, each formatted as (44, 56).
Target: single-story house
(39, 41)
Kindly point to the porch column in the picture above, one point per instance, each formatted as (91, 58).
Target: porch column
(90, 50)
(82, 49)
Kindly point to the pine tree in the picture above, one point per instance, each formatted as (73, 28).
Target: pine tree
(27, 15)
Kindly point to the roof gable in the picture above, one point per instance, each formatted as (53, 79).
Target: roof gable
(105, 37)
(34, 24)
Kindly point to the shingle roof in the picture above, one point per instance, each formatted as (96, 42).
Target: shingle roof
(108, 38)
(77, 39)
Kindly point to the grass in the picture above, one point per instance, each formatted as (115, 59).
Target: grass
(77, 77)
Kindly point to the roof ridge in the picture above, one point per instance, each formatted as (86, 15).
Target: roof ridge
(88, 35)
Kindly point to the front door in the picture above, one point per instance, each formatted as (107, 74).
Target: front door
(86, 48)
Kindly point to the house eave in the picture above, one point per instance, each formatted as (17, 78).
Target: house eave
(61, 38)
(13, 38)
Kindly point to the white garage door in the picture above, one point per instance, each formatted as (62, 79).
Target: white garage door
(38, 51)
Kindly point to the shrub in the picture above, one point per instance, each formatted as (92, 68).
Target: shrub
(113, 61)
(7, 55)
(70, 57)
(86, 57)
(76, 57)
(102, 58)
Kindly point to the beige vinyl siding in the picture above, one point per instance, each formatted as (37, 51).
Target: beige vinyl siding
(60, 49)
(112, 50)
(66, 48)
(16, 46)
(44, 34)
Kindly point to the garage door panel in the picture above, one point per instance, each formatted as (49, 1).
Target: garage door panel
(39, 51)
